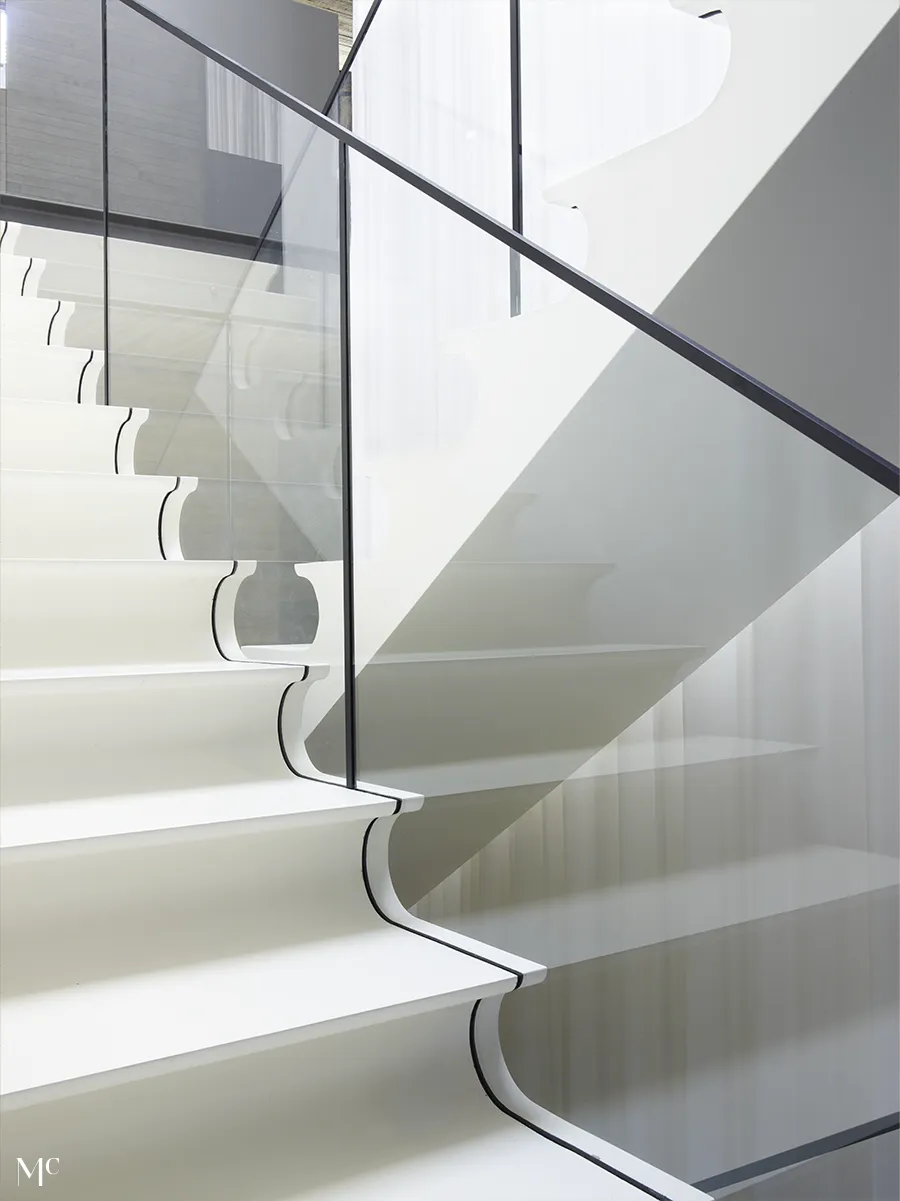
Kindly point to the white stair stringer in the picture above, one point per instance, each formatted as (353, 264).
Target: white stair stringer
(192, 932)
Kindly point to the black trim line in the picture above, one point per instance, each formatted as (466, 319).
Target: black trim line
(162, 509)
(87, 364)
(212, 610)
(421, 933)
(118, 438)
(104, 140)
(25, 276)
(827, 436)
(517, 213)
(803, 1153)
(553, 1138)
(351, 757)
(715, 12)
(3, 231)
(52, 319)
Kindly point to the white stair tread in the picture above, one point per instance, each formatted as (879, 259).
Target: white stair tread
(287, 652)
(50, 824)
(545, 767)
(609, 921)
(507, 1161)
(620, 758)
(206, 1009)
(116, 671)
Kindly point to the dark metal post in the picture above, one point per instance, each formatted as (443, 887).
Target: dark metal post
(350, 714)
(104, 89)
(515, 107)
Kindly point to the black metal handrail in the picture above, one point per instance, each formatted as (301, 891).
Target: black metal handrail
(831, 439)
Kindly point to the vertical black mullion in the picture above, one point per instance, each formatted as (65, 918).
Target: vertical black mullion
(104, 135)
(515, 108)
(350, 712)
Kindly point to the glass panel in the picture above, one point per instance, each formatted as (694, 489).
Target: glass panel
(635, 640)
(655, 159)
(230, 341)
(430, 85)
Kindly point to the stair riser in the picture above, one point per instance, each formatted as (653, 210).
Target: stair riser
(202, 896)
(61, 516)
(27, 321)
(19, 275)
(66, 738)
(90, 438)
(60, 614)
(55, 373)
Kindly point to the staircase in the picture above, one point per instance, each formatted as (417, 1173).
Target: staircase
(209, 986)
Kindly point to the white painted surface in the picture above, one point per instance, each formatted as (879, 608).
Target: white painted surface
(302, 991)
(107, 613)
(52, 436)
(19, 275)
(27, 320)
(49, 373)
(709, 166)
(56, 515)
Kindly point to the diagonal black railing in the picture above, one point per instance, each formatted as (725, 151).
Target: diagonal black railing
(831, 439)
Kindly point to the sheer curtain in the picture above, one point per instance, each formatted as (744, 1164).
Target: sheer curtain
(239, 118)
